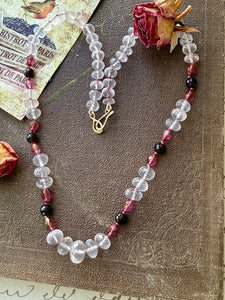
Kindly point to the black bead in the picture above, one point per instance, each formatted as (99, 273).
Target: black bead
(178, 23)
(121, 218)
(32, 138)
(191, 82)
(160, 148)
(46, 210)
(29, 72)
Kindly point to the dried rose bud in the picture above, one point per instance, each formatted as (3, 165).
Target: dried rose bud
(8, 159)
(155, 22)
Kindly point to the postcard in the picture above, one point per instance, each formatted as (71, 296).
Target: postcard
(18, 20)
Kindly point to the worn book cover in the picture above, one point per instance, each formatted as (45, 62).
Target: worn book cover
(171, 248)
(18, 20)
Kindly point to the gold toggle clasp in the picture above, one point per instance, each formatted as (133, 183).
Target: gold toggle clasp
(98, 125)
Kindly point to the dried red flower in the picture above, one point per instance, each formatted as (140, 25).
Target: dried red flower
(8, 159)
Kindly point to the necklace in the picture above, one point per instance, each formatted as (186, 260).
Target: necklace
(65, 245)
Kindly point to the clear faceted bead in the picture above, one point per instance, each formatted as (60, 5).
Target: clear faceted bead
(95, 95)
(54, 237)
(96, 85)
(40, 160)
(40, 33)
(98, 64)
(109, 83)
(31, 103)
(88, 28)
(44, 183)
(191, 58)
(131, 32)
(77, 252)
(140, 183)
(92, 248)
(95, 46)
(186, 38)
(189, 48)
(30, 94)
(126, 50)
(110, 72)
(174, 125)
(69, 17)
(133, 194)
(31, 49)
(47, 27)
(146, 173)
(57, 20)
(33, 39)
(184, 105)
(98, 55)
(92, 37)
(179, 114)
(33, 113)
(108, 92)
(114, 62)
(129, 41)
(102, 241)
(92, 105)
(110, 101)
(42, 171)
(97, 74)
(65, 246)
(121, 56)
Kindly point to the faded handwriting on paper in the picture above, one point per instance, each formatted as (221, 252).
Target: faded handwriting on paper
(18, 293)
(56, 294)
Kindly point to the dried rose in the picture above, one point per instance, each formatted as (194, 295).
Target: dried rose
(155, 22)
(8, 159)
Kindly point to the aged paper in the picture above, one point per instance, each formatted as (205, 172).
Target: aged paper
(17, 21)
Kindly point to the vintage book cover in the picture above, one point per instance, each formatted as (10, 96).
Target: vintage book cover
(172, 246)
(18, 20)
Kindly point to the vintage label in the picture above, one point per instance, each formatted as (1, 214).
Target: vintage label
(17, 21)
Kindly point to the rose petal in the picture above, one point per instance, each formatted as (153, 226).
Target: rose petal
(167, 8)
(8, 159)
(165, 31)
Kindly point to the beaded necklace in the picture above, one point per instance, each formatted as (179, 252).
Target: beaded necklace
(100, 88)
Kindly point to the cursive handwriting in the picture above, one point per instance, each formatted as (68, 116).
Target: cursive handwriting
(18, 293)
(56, 294)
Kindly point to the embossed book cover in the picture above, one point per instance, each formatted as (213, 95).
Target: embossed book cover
(171, 247)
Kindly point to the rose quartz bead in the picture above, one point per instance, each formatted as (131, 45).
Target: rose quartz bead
(35, 148)
(190, 95)
(191, 70)
(34, 126)
(128, 206)
(30, 60)
(30, 84)
(152, 160)
(166, 135)
(112, 230)
(46, 196)
(50, 224)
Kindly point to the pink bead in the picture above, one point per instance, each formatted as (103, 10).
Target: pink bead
(30, 84)
(152, 160)
(34, 126)
(128, 206)
(30, 60)
(166, 135)
(50, 224)
(190, 95)
(35, 148)
(112, 230)
(46, 196)
(191, 70)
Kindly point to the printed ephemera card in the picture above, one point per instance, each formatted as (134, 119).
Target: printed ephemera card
(18, 20)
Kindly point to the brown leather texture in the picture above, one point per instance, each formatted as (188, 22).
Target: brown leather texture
(172, 246)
